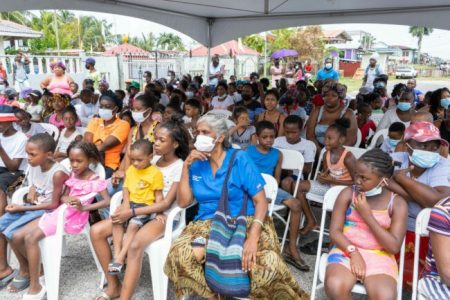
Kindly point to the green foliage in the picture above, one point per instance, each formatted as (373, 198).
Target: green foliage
(146, 42)
(419, 32)
(254, 41)
(170, 41)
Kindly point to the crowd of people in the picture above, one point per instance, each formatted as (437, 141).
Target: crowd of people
(204, 145)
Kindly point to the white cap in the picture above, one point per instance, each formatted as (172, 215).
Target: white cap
(374, 56)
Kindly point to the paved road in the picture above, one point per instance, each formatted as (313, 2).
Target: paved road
(423, 85)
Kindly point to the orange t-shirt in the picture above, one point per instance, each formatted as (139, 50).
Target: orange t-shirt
(118, 129)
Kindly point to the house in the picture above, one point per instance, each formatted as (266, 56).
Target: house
(364, 38)
(409, 55)
(15, 35)
(336, 36)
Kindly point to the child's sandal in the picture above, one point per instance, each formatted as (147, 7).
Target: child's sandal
(115, 268)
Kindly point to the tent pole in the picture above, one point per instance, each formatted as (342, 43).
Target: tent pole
(209, 41)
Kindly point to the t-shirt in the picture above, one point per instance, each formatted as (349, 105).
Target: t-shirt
(265, 162)
(304, 146)
(254, 108)
(295, 111)
(206, 188)
(439, 223)
(365, 131)
(118, 129)
(94, 76)
(86, 112)
(43, 181)
(35, 128)
(212, 71)
(236, 97)
(224, 104)
(417, 93)
(371, 74)
(325, 74)
(390, 116)
(164, 100)
(438, 175)
(35, 111)
(64, 142)
(14, 147)
(244, 138)
(386, 147)
(142, 184)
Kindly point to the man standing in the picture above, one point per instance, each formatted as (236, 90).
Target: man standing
(215, 72)
(93, 74)
(147, 77)
(328, 71)
(277, 72)
(373, 70)
(21, 69)
(418, 95)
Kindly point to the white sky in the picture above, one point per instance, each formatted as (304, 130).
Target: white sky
(437, 44)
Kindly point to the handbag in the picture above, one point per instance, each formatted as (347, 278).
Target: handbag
(223, 267)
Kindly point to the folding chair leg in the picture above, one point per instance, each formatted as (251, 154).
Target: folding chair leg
(285, 231)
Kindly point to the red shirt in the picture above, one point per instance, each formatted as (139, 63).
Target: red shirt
(318, 100)
(365, 130)
(308, 68)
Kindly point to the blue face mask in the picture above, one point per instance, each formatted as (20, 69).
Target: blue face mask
(424, 159)
(445, 102)
(393, 143)
(404, 106)
(376, 190)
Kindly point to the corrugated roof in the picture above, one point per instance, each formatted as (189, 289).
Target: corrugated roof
(224, 49)
(11, 29)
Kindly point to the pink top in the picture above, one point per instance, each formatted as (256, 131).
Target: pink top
(60, 123)
(75, 220)
(338, 171)
(59, 85)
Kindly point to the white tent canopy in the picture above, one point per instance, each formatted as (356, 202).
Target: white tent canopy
(213, 22)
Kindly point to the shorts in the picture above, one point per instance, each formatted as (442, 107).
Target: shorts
(12, 222)
(140, 220)
(7, 178)
(317, 188)
(281, 196)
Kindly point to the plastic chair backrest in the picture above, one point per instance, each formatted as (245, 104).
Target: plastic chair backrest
(383, 133)
(97, 169)
(51, 129)
(422, 220)
(271, 190)
(294, 161)
(319, 163)
(358, 138)
(357, 152)
(222, 113)
(331, 196)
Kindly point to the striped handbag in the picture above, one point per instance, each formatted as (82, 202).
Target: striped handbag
(223, 267)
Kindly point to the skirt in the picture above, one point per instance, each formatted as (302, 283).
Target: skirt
(270, 278)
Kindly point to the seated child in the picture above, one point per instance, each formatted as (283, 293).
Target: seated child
(82, 182)
(243, 133)
(142, 188)
(25, 125)
(376, 103)
(396, 132)
(367, 229)
(33, 107)
(46, 179)
(268, 160)
(69, 134)
(365, 125)
(338, 169)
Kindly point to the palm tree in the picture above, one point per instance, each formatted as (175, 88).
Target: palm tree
(170, 41)
(419, 32)
(20, 17)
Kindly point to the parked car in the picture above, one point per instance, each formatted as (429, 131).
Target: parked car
(405, 72)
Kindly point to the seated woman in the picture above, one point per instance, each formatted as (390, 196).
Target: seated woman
(202, 178)
(367, 229)
(171, 148)
(322, 117)
(108, 133)
(436, 278)
(402, 113)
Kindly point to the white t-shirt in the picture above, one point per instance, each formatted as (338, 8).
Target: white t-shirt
(214, 70)
(390, 116)
(171, 174)
(236, 97)
(85, 112)
(164, 100)
(35, 128)
(14, 147)
(372, 74)
(43, 181)
(64, 142)
(305, 147)
(224, 104)
(35, 111)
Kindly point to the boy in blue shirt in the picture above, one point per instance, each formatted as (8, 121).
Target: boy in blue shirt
(269, 160)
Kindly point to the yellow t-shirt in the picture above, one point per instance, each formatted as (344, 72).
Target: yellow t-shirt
(142, 184)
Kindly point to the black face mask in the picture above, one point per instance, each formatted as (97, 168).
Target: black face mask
(246, 97)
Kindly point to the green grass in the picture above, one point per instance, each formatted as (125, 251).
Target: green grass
(352, 84)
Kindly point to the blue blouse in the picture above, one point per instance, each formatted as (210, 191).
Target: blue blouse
(206, 188)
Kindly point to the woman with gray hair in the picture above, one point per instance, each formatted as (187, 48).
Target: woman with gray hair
(203, 176)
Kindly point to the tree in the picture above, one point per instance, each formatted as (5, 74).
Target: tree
(146, 42)
(254, 41)
(367, 41)
(20, 17)
(309, 43)
(282, 39)
(419, 32)
(170, 41)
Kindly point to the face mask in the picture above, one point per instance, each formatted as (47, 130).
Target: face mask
(424, 159)
(189, 94)
(379, 85)
(204, 143)
(393, 143)
(138, 116)
(404, 106)
(376, 190)
(445, 102)
(328, 66)
(105, 114)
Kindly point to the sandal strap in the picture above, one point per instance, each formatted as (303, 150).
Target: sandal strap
(103, 295)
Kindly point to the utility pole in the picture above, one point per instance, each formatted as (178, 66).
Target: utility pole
(55, 23)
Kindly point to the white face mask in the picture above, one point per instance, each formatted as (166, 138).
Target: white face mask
(189, 94)
(138, 116)
(328, 66)
(105, 114)
(204, 143)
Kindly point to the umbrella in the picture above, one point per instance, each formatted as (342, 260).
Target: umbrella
(283, 53)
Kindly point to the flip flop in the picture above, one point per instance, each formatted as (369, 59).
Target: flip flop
(19, 283)
(105, 296)
(311, 248)
(7, 279)
(299, 264)
(38, 296)
(115, 268)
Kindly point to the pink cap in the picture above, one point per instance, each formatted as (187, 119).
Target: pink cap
(424, 132)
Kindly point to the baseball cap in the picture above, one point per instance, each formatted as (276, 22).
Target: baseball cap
(90, 61)
(7, 114)
(424, 132)
(36, 93)
(9, 92)
(135, 84)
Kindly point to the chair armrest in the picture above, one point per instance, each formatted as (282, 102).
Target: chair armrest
(60, 220)
(115, 202)
(17, 197)
(169, 223)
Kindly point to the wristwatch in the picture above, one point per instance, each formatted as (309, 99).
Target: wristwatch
(350, 249)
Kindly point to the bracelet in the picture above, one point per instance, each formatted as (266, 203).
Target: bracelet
(258, 222)
(133, 212)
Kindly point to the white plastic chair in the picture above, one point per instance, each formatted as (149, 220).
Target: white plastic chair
(158, 250)
(271, 190)
(293, 161)
(321, 259)
(422, 220)
(383, 133)
(51, 129)
(222, 113)
(358, 138)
